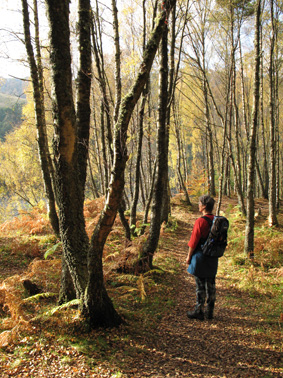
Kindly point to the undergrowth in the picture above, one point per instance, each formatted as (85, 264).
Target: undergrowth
(262, 276)
(137, 297)
(28, 322)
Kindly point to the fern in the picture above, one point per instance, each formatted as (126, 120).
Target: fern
(127, 289)
(157, 270)
(74, 302)
(52, 250)
(37, 297)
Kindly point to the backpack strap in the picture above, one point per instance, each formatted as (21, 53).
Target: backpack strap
(208, 220)
(203, 240)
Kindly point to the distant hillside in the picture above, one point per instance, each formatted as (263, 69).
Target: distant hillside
(13, 87)
(9, 101)
(12, 99)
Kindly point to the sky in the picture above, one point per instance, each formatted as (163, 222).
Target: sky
(13, 61)
(12, 50)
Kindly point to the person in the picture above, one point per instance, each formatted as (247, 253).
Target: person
(203, 268)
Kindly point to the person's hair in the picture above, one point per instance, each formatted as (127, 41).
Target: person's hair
(207, 201)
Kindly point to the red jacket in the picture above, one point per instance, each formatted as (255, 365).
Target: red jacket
(200, 231)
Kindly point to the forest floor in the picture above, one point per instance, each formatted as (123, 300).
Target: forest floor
(158, 340)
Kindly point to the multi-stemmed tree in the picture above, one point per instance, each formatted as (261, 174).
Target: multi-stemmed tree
(71, 138)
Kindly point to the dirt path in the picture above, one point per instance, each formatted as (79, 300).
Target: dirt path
(227, 346)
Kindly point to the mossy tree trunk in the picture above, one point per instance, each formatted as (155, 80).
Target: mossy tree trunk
(148, 249)
(71, 135)
(170, 70)
(38, 96)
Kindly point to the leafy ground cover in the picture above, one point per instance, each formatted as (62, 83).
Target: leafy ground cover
(244, 339)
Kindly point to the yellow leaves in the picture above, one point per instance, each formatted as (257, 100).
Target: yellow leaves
(130, 63)
(197, 181)
(128, 11)
(28, 109)
(20, 168)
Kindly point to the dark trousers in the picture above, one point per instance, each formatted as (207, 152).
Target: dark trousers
(205, 290)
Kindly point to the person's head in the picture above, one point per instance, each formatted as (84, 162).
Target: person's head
(208, 203)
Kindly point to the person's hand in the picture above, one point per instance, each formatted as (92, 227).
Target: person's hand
(188, 260)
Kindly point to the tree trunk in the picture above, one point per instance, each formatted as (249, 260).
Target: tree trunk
(148, 249)
(71, 136)
(38, 95)
(118, 84)
(211, 173)
(235, 160)
(67, 291)
(104, 148)
(179, 149)
(149, 199)
(166, 206)
(249, 234)
(92, 180)
(98, 57)
(272, 149)
(133, 213)
(124, 220)
(98, 152)
(118, 87)
(263, 138)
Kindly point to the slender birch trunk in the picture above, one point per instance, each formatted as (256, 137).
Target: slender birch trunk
(133, 213)
(38, 95)
(272, 144)
(249, 234)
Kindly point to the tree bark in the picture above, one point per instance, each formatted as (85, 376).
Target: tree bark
(233, 116)
(38, 95)
(99, 62)
(148, 249)
(179, 159)
(98, 152)
(249, 234)
(272, 144)
(118, 87)
(263, 137)
(71, 135)
(133, 212)
(104, 148)
(118, 84)
(166, 206)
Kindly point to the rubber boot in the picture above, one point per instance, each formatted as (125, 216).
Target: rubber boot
(209, 311)
(196, 314)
